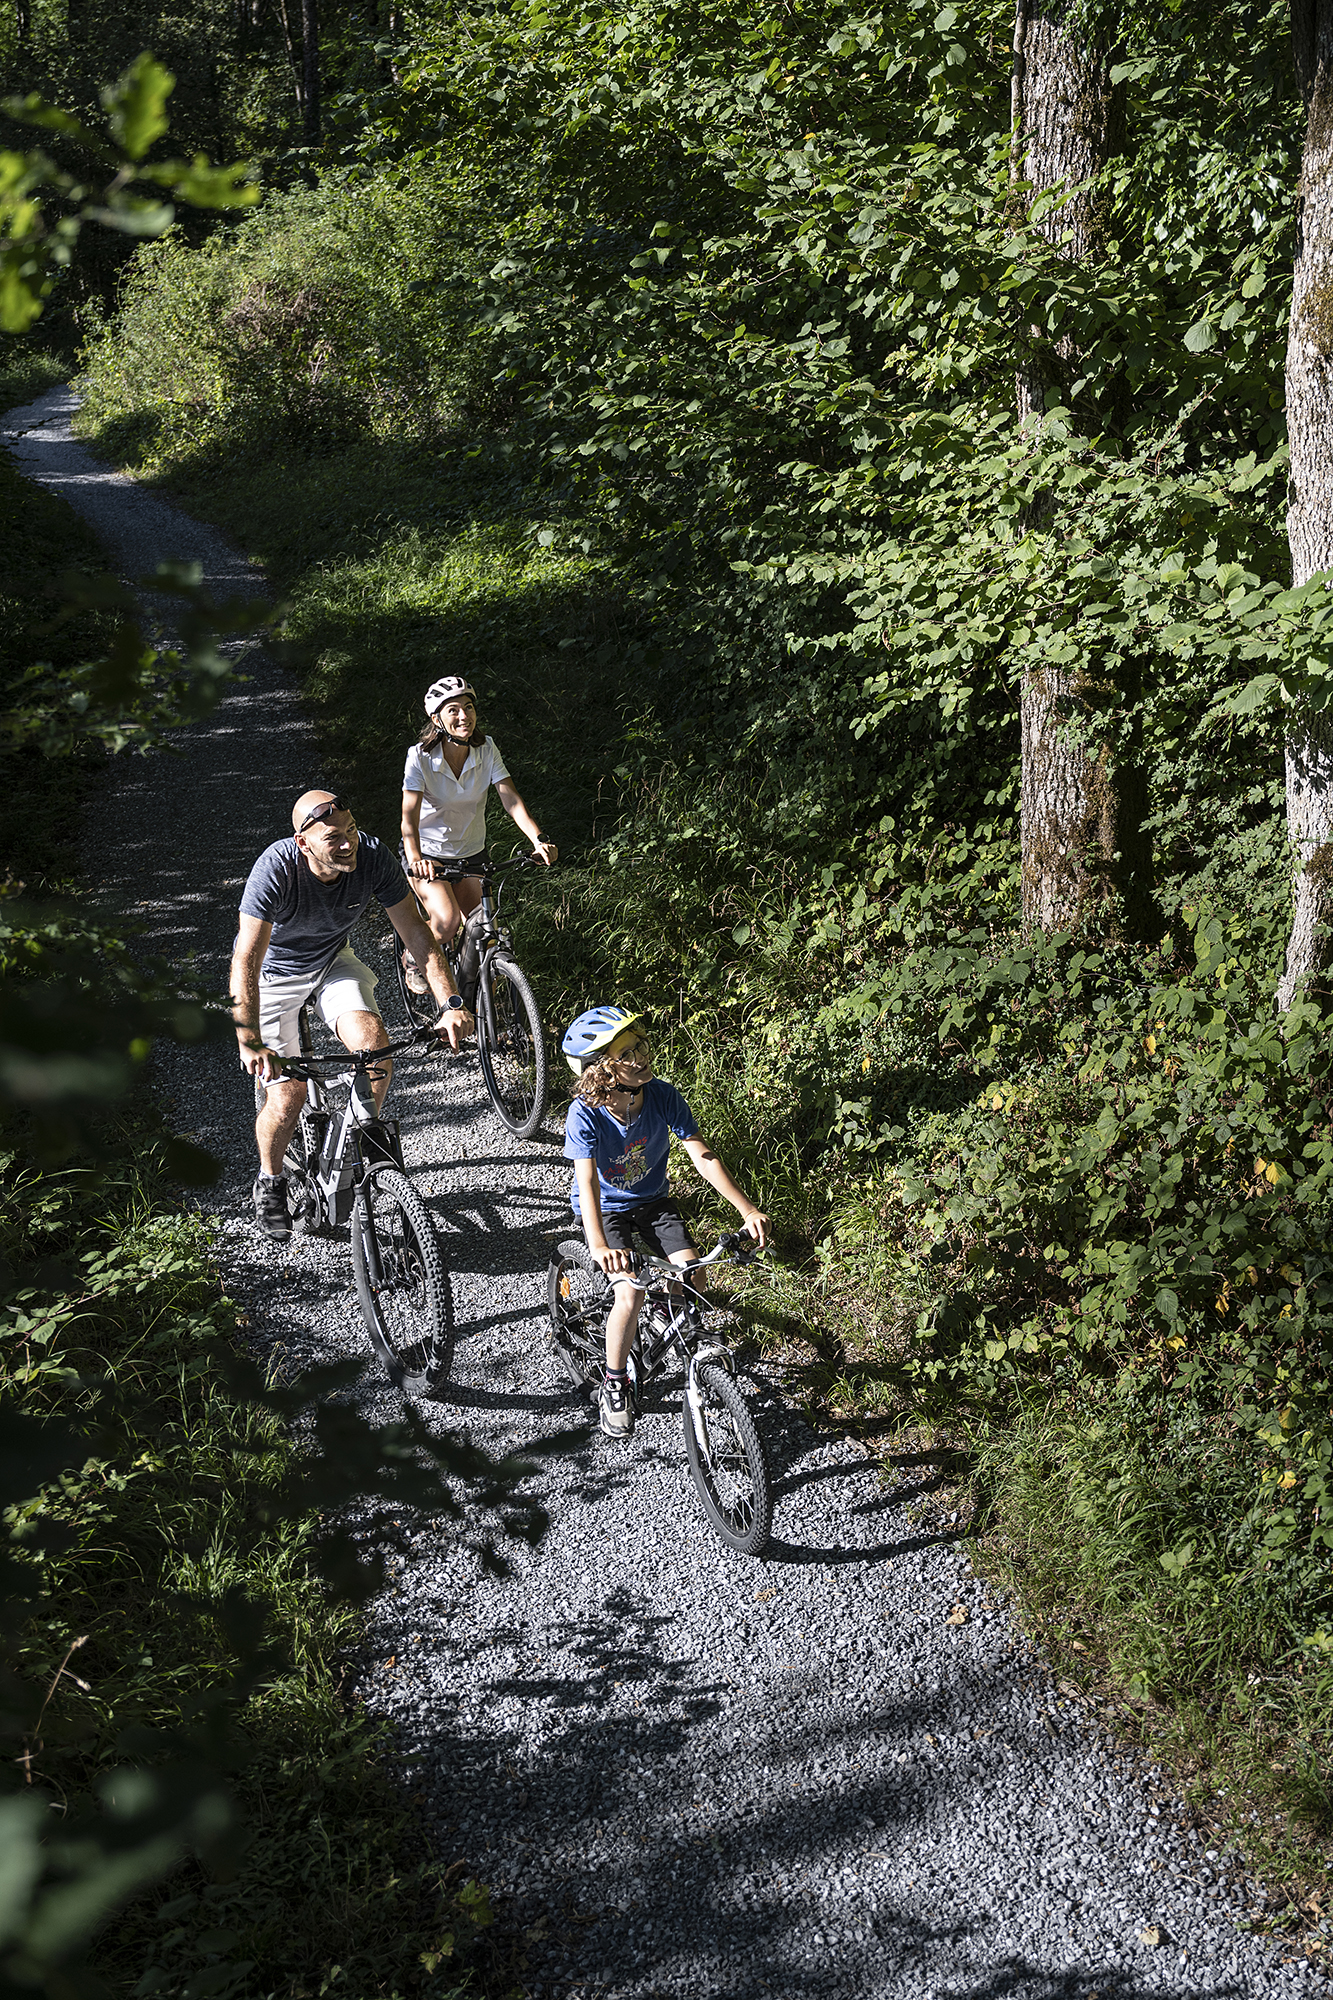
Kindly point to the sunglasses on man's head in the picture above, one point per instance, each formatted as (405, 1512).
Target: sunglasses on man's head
(323, 812)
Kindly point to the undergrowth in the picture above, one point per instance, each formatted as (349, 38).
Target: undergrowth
(139, 1563)
(1065, 1206)
(133, 1580)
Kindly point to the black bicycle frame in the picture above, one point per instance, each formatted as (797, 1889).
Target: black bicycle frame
(354, 1145)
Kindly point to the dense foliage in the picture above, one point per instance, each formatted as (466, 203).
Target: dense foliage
(719, 307)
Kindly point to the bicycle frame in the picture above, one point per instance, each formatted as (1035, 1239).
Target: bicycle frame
(490, 936)
(668, 1282)
(349, 1150)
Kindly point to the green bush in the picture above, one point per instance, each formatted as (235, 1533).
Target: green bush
(325, 316)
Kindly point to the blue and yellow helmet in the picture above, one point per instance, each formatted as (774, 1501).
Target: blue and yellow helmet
(592, 1034)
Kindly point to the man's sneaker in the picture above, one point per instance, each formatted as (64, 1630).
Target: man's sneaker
(614, 1413)
(270, 1199)
(417, 981)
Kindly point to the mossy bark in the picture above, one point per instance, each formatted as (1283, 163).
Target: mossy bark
(1085, 857)
(1310, 503)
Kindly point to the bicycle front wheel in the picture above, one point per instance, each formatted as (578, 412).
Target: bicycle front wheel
(301, 1166)
(576, 1300)
(400, 1284)
(728, 1463)
(511, 1046)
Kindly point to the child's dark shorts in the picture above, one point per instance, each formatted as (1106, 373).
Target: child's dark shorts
(658, 1222)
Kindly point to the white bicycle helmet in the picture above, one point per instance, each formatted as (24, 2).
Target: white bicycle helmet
(447, 689)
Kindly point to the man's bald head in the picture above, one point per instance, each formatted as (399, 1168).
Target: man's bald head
(326, 834)
(306, 804)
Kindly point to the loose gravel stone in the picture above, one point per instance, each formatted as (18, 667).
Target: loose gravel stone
(685, 1773)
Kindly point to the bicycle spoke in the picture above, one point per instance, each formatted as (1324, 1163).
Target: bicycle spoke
(727, 1462)
(512, 1048)
(400, 1279)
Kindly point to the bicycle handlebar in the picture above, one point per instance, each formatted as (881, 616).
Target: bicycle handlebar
(734, 1246)
(355, 1062)
(457, 871)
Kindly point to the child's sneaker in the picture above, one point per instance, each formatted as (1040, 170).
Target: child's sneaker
(614, 1412)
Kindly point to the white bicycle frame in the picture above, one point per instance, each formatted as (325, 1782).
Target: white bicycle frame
(696, 1357)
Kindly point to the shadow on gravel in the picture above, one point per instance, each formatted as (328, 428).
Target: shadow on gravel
(776, 1855)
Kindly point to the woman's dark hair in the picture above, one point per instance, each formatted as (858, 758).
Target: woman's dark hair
(435, 732)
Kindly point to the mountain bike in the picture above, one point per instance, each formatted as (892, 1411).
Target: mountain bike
(510, 1042)
(723, 1446)
(349, 1168)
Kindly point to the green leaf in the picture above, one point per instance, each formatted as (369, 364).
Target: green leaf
(203, 185)
(1255, 694)
(22, 1859)
(1201, 336)
(136, 105)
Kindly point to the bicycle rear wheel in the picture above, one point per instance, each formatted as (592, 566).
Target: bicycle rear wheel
(576, 1302)
(400, 1283)
(728, 1463)
(511, 1046)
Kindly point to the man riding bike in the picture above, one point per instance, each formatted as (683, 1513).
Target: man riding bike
(297, 910)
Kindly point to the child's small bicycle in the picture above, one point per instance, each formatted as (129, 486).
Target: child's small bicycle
(725, 1452)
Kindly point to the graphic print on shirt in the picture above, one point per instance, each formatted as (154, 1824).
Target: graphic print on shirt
(631, 1165)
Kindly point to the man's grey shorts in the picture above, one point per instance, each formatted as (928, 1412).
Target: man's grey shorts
(345, 986)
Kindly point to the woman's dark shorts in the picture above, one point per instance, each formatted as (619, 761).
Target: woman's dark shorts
(658, 1223)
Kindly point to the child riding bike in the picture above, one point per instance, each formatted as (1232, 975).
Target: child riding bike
(445, 782)
(618, 1134)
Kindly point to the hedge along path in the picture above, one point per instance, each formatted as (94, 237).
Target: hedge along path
(836, 1771)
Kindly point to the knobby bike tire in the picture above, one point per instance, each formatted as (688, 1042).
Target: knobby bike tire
(732, 1473)
(407, 1311)
(512, 1047)
(300, 1163)
(576, 1302)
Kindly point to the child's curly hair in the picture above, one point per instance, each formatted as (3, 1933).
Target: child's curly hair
(596, 1084)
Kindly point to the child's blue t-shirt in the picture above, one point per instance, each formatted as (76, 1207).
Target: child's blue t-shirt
(631, 1159)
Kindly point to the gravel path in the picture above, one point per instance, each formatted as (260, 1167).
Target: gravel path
(685, 1773)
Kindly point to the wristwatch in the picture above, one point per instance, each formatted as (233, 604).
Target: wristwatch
(456, 1001)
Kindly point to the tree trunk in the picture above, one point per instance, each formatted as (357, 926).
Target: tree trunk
(310, 69)
(289, 44)
(1084, 854)
(23, 23)
(1310, 509)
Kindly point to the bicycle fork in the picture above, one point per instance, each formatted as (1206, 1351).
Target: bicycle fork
(694, 1395)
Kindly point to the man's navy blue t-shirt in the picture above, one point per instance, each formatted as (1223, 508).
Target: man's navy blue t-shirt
(631, 1160)
(312, 920)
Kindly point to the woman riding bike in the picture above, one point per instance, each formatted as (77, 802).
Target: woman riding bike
(445, 781)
